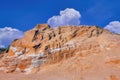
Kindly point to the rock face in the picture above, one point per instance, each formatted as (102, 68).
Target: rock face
(85, 52)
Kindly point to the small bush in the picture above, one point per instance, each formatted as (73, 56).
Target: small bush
(4, 49)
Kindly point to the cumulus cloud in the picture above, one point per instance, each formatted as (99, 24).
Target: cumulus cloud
(68, 16)
(8, 34)
(113, 26)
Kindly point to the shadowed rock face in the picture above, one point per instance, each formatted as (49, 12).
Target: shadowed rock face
(87, 52)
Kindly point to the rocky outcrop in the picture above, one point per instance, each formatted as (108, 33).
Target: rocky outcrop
(71, 47)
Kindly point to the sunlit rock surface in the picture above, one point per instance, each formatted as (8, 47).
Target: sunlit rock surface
(63, 53)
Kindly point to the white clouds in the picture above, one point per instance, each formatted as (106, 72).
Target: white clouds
(2, 46)
(113, 26)
(8, 34)
(68, 16)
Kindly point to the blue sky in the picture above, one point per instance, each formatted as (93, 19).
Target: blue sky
(25, 14)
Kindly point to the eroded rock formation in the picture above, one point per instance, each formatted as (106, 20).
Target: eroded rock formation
(90, 51)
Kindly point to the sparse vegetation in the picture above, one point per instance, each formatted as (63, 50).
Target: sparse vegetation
(4, 49)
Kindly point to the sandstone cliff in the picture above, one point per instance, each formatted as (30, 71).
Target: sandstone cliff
(85, 52)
